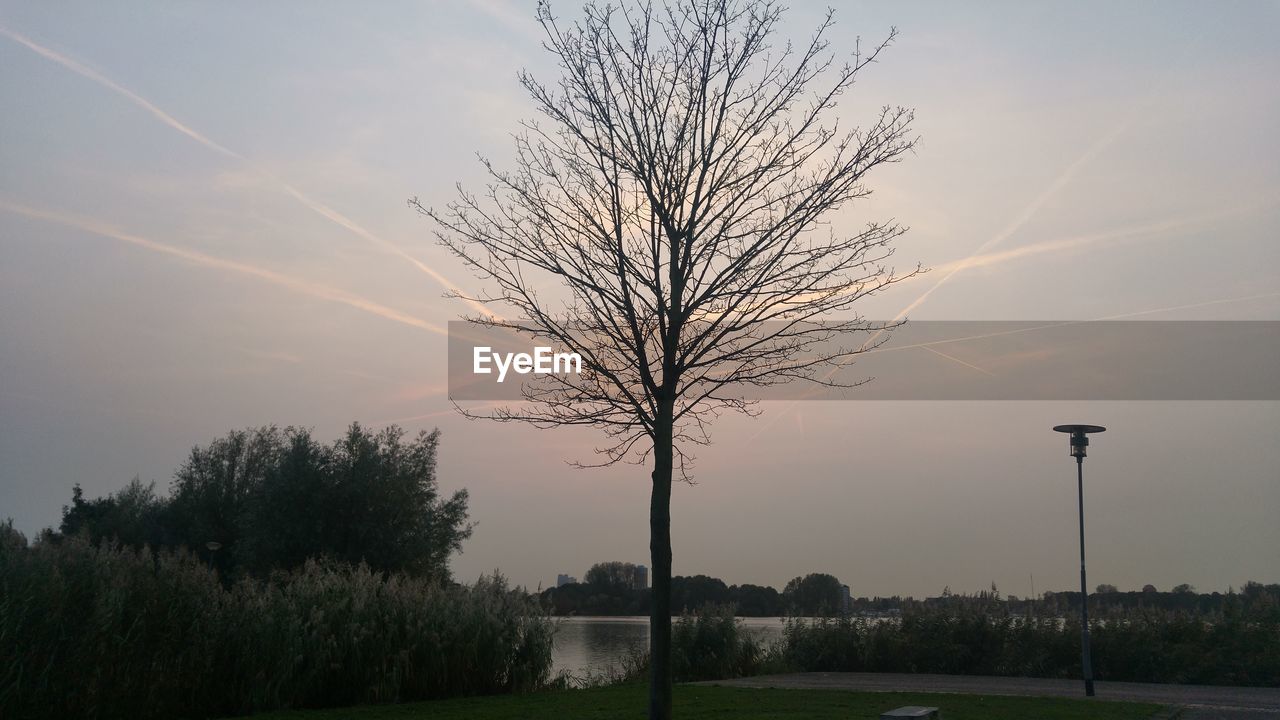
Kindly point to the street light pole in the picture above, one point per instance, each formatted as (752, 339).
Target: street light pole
(1079, 445)
(1086, 661)
(214, 546)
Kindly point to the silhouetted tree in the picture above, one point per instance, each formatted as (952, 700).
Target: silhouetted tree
(695, 592)
(1105, 588)
(615, 576)
(132, 516)
(211, 492)
(814, 594)
(756, 600)
(293, 511)
(387, 509)
(11, 539)
(678, 193)
(273, 498)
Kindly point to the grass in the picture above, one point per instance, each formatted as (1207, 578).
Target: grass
(694, 702)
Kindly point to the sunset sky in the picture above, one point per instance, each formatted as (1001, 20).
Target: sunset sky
(203, 226)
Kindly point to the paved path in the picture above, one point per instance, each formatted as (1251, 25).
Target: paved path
(1201, 702)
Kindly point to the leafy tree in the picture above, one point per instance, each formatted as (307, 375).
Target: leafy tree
(615, 576)
(679, 194)
(132, 516)
(11, 539)
(690, 594)
(756, 600)
(1183, 589)
(291, 513)
(1105, 589)
(211, 492)
(273, 498)
(386, 507)
(814, 594)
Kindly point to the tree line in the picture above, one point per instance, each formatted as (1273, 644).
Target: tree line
(606, 590)
(268, 499)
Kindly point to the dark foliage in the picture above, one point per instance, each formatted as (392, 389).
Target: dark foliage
(814, 594)
(1238, 644)
(99, 631)
(272, 499)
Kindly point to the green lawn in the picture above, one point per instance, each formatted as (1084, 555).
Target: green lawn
(701, 703)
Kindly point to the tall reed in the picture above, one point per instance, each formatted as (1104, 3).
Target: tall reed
(1238, 646)
(105, 632)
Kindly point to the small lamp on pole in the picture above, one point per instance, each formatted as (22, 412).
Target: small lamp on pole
(214, 546)
(1079, 449)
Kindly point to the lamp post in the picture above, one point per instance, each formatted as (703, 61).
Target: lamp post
(1079, 444)
(214, 546)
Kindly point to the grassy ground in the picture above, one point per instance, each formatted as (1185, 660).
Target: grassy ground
(721, 703)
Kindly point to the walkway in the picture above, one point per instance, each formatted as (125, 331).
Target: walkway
(1199, 702)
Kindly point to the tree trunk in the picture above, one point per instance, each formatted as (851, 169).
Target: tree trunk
(660, 558)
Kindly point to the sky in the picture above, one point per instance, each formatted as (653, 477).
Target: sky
(203, 226)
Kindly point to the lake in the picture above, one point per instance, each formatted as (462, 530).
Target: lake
(589, 644)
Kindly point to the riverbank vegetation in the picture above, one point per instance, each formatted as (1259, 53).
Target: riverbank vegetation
(822, 594)
(1238, 644)
(284, 573)
(277, 572)
(977, 635)
(600, 594)
(101, 631)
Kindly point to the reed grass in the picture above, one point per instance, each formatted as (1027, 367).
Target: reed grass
(107, 632)
(1240, 646)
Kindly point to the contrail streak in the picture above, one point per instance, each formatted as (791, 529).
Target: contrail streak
(1157, 228)
(1023, 217)
(1035, 328)
(1051, 246)
(1192, 306)
(136, 99)
(956, 359)
(1032, 208)
(305, 287)
(1064, 323)
(314, 205)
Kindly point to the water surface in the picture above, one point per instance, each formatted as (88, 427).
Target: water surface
(586, 644)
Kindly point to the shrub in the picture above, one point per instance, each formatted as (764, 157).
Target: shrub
(1239, 646)
(101, 631)
(711, 645)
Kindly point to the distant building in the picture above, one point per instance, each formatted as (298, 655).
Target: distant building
(562, 580)
(845, 598)
(640, 578)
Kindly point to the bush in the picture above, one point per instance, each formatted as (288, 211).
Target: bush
(99, 632)
(711, 645)
(707, 644)
(1239, 646)
(274, 498)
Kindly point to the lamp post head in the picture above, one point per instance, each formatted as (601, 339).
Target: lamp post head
(1079, 437)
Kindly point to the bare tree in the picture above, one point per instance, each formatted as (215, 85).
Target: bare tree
(674, 193)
